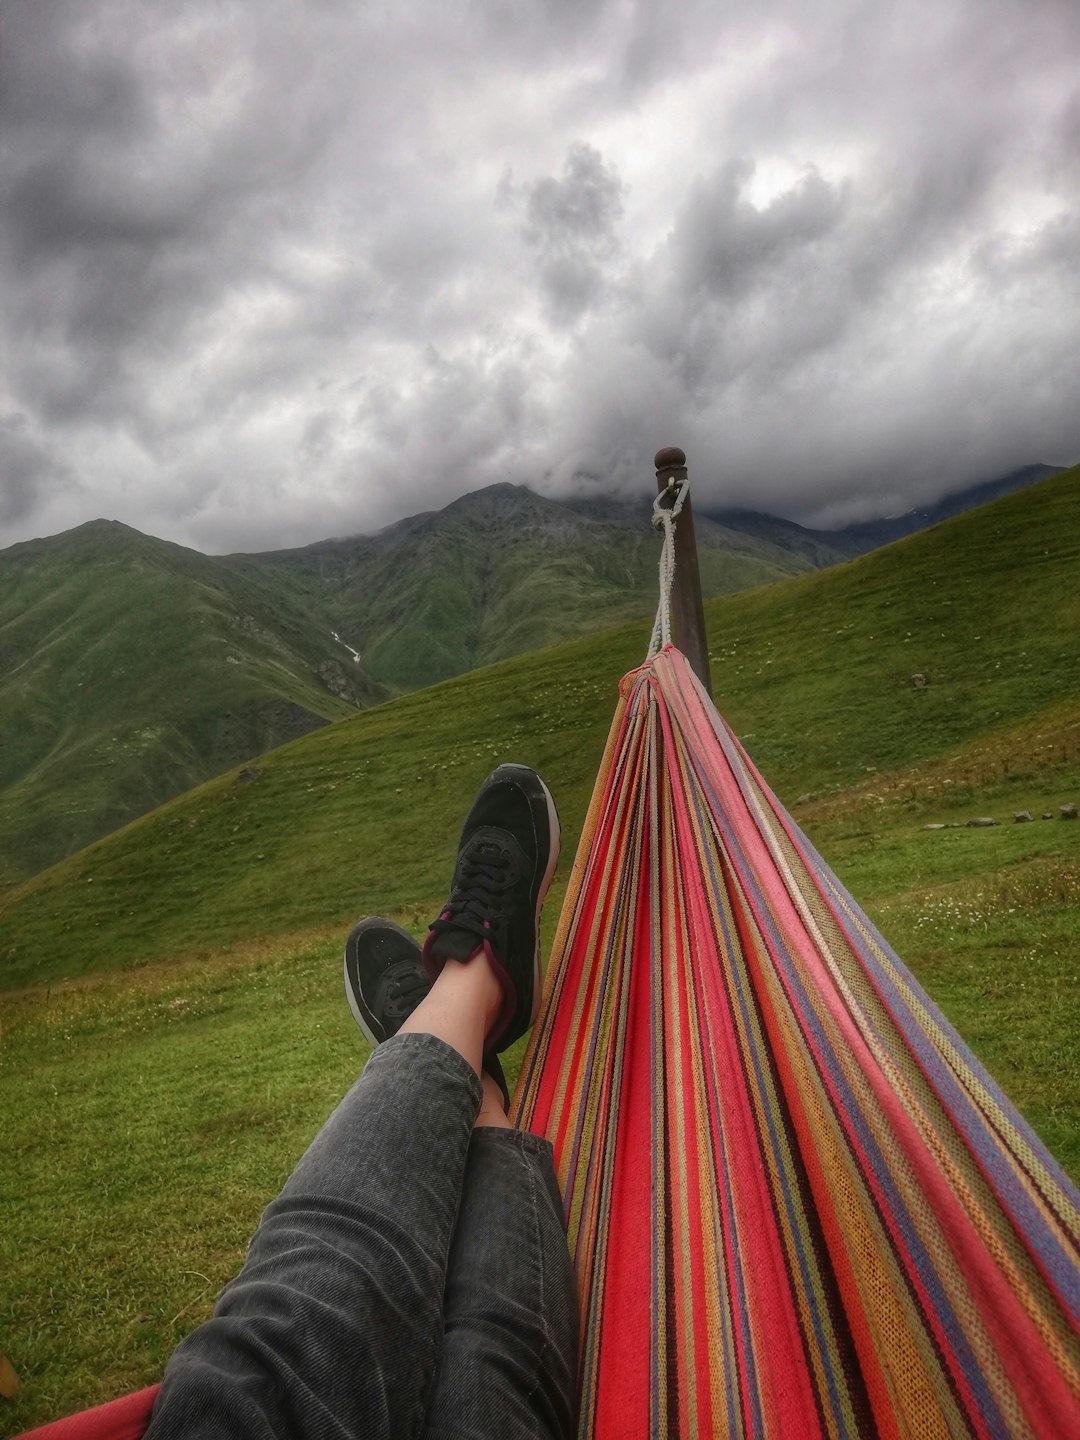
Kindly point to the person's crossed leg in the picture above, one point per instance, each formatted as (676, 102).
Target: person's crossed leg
(413, 1278)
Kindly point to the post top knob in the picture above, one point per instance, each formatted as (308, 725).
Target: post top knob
(669, 457)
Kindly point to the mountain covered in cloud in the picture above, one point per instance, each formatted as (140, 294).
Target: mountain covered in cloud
(818, 673)
(867, 535)
(498, 571)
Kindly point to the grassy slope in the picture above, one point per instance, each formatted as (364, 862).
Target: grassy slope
(496, 573)
(501, 598)
(236, 1054)
(92, 734)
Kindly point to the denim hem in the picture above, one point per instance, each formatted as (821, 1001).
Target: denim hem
(431, 1048)
(523, 1140)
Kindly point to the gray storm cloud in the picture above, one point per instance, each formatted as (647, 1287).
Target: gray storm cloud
(270, 273)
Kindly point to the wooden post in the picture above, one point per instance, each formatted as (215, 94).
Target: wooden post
(687, 611)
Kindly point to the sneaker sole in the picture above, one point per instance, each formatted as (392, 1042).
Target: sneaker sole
(555, 839)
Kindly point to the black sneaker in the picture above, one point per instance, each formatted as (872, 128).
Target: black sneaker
(384, 979)
(506, 857)
(385, 982)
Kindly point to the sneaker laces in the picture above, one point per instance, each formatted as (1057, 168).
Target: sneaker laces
(404, 985)
(485, 872)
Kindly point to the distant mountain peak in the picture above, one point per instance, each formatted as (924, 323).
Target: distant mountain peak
(501, 493)
(104, 527)
(498, 487)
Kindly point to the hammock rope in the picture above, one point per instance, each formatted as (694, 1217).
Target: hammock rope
(663, 518)
(797, 1204)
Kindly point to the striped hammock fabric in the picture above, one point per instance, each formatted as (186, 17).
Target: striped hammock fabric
(798, 1205)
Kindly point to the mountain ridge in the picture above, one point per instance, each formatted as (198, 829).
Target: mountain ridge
(132, 668)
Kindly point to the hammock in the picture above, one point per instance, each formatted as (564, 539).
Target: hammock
(797, 1204)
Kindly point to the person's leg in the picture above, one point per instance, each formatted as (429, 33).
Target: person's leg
(509, 1352)
(510, 1317)
(333, 1326)
(509, 1308)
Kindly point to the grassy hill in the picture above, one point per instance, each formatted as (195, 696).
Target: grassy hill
(498, 572)
(132, 669)
(183, 1033)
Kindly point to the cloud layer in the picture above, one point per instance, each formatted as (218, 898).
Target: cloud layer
(270, 273)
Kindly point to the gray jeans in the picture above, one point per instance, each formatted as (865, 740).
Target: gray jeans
(412, 1278)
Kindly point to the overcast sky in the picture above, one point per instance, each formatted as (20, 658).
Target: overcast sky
(273, 270)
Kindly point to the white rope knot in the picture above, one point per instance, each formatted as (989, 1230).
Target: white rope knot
(663, 518)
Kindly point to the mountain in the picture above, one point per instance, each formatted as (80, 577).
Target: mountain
(132, 669)
(497, 572)
(825, 547)
(817, 673)
(871, 534)
(817, 547)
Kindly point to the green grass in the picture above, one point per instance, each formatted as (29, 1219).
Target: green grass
(161, 1111)
(183, 1034)
(987, 920)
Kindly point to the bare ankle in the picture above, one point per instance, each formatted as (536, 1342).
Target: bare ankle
(460, 1008)
(492, 1113)
(476, 976)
